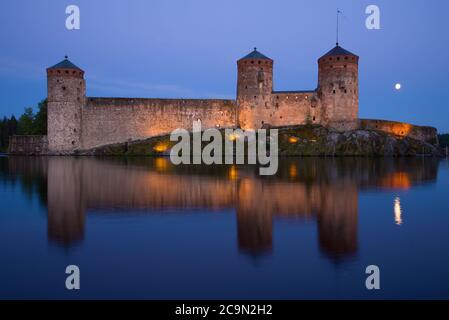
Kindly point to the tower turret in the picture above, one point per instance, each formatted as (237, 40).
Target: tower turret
(254, 87)
(66, 96)
(338, 88)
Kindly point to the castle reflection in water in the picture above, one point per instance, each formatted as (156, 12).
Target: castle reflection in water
(323, 190)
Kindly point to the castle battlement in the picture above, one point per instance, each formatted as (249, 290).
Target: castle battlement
(77, 122)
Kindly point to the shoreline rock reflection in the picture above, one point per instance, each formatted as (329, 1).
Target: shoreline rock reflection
(325, 190)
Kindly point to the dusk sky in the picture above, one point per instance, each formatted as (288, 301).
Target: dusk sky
(189, 48)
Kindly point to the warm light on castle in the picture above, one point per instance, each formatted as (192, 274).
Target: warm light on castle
(78, 123)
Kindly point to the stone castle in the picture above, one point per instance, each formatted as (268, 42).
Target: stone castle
(77, 122)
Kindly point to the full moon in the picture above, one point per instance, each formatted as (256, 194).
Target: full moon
(398, 86)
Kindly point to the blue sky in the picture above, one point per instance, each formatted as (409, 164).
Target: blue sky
(189, 48)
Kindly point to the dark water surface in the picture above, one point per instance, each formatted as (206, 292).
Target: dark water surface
(143, 228)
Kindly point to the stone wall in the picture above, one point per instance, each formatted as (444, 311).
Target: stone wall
(294, 108)
(115, 120)
(66, 95)
(279, 109)
(338, 89)
(28, 145)
(401, 129)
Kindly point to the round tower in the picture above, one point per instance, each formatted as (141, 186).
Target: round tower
(254, 88)
(66, 96)
(338, 89)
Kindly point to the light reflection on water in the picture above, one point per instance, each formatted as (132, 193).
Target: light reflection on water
(397, 211)
(321, 198)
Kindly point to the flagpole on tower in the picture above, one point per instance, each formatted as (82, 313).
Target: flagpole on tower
(338, 24)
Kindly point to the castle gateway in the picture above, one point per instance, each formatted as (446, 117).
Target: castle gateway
(77, 122)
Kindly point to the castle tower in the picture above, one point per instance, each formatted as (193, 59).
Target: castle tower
(66, 96)
(254, 88)
(338, 88)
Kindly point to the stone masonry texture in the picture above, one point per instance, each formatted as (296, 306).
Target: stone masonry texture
(77, 122)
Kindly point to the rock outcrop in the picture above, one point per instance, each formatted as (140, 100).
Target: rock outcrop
(302, 141)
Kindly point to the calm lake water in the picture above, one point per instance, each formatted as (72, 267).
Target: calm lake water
(143, 228)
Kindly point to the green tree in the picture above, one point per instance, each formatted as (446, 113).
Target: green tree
(444, 140)
(28, 124)
(25, 125)
(12, 125)
(40, 119)
(8, 127)
(3, 133)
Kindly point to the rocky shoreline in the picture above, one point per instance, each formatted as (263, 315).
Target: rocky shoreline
(300, 141)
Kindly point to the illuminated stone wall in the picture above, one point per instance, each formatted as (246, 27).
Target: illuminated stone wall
(66, 92)
(338, 89)
(77, 122)
(116, 120)
(279, 109)
(401, 129)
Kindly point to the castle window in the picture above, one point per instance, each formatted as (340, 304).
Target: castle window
(74, 130)
(63, 88)
(277, 105)
(313, 118)
(59, 71)
(345, 66)
(346, 91)
(280, 117)
(73, 142)
(346, 58)
(66, 72)
(330, 59)
(74, 72)
(263, 122)
(252, 62)
(277, 97)
(260, 62)
(246, 87)
(333, 91)
(255, 97)
(338, 58)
